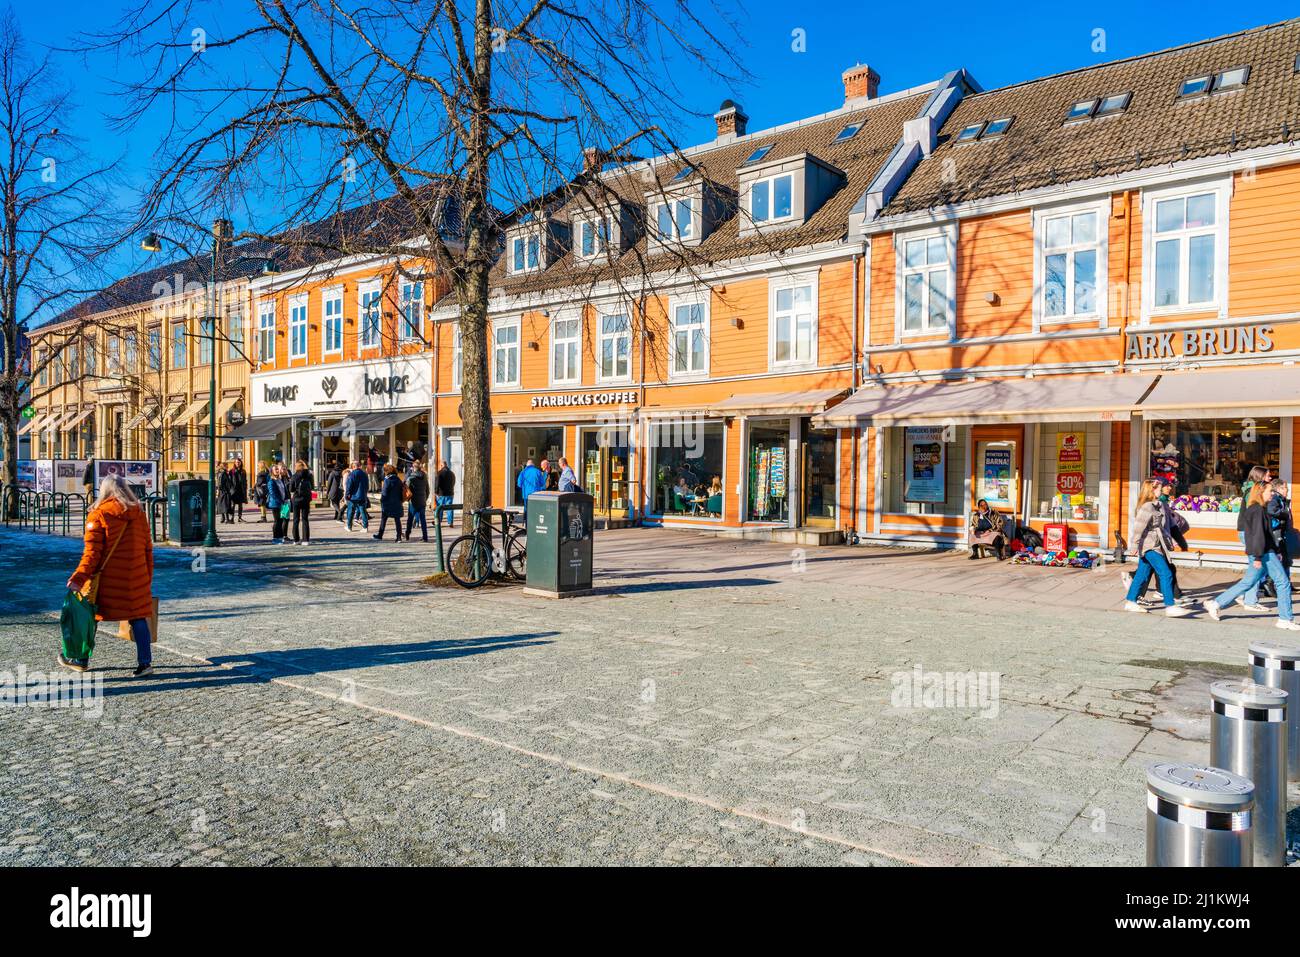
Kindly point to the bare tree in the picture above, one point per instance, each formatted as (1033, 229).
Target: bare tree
(52, 228)
(455, 115)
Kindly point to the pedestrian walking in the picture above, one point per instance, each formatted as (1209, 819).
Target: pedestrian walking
(530, 480)
(356, 491)
(444, 487)
(1266, 554)
(118, 549)
(239, 488)
(334, 489)
(277, 500)
(390, 502)
(1260, 473)
(225, 494)
(1178, 529)
(417, 500)
(1149, 531)
(568, 479)
(260, 491)
(301, 487)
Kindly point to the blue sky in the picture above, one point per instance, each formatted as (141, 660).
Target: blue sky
(906, 43)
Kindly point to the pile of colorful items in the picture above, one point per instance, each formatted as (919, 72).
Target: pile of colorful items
(1074, 558)
(1206, 503)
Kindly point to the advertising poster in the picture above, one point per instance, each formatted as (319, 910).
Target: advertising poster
(1070, 465)
(995, 477)
(45, 475)
(140, 474)
(926, 464)
(68, 474)
(27, 473)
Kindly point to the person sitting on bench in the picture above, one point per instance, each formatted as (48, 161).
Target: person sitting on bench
(985, 531)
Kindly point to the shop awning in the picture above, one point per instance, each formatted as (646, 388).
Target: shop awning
(1270, 390)
(56, 420)
(174, 406)
(36, 422)
(1041, 399)
(191, 410)
(149, 414)
(267, 427)
(340, 427)
(223, 406)
(80, 417)
(373, 423)
(808, 402)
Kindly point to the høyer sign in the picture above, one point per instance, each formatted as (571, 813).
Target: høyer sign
(1199, 343)
(583, 398)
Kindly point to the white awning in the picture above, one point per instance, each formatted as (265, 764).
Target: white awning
(223, 406)
(150, 413)
(1052, 398)
(160, 419)
(36, 422)
(56, 419)
(808, 402)
(1265, 390)
(190, 411)
(80, 417)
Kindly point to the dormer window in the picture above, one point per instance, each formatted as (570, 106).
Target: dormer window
(593, 237)
(770, 199)
(674, 220)
(758, 155)
(526, 253)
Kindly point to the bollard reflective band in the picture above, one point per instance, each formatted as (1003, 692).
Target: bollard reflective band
(1248, 714)
(1195, 817)
(1273, 664)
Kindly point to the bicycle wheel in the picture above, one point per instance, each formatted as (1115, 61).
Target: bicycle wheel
(517, 557)
(469, 562)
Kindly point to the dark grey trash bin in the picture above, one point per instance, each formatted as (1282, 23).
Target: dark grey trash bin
(1198, 817)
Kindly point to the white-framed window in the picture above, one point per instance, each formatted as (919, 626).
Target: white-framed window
(266, 331)
(331, 308)
(155, 348)
(926, 281)
(614, 362)
(526, 252)
(1185, 249)
(368, 315)
(772, 199)
(412, 302)
(179, 348)
(688, 345)
(505, 354)
(675, 220)
(593, 237)
(89, 357)
(131, 351)
(793, 329)
(298, 327)
(115, 352)
(234, 343)
(207, 336)
(1070, 262)
(566, 350)
(456, 356)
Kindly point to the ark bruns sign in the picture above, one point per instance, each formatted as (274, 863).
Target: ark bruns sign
(1199, 343)
(565, 399)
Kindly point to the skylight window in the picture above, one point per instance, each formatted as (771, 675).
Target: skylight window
(1232, 79)
(848, 132)
(682, 173)
(997, 127)
(970, 133)
(1221, 82)
(1115, 103)
(757, 155)
(1195, 86)
(1082, 109)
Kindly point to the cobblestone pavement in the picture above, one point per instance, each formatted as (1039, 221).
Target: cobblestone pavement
(714, 702)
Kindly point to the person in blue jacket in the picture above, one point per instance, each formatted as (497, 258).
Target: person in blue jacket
(356, 491)
(391, 494)
(531, 479)
(277, 495)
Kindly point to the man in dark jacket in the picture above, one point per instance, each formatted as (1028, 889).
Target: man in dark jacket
(445, 489)
(334, 489)
(239, 488)
(391, 494)
(301, 486)
(357, 493)
(417, 499)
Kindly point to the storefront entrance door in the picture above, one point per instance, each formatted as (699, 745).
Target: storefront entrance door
(603, 474)
(998, 466)
(819, 479)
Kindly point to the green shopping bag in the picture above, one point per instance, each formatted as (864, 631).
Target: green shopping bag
(284, 510)
(78, 622)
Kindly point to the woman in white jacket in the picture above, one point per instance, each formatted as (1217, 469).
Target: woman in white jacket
(1151, 539)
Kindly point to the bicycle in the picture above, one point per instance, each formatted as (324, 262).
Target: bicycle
(473, 558)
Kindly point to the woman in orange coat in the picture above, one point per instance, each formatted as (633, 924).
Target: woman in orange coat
(118, 547)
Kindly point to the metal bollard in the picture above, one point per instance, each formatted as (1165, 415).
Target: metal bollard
(1198, 817)
(1274, 664)
(1248, 737)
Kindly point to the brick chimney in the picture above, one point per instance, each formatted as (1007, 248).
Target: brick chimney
(860, 83)
(731, 120)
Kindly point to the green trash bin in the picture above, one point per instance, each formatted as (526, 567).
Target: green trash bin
(559, 544)
(187, 511)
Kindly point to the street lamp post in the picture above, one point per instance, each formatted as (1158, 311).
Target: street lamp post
(222, 232)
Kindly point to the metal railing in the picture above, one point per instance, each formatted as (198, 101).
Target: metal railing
(438, 513)
(49, 512)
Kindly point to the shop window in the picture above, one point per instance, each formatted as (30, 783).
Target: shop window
(178, 442)
(266, 332)
(926, 271)
(298, 327)
(1067, 471)
(925, 470)
(794, 323)
(332, 321)
(687, 465)
(615, 347)
(505, 355)
(1071, 264)
(768, 472)
(1187, 264)
(370, 319)
(690, 340)
(1208, 460)
(565, 351)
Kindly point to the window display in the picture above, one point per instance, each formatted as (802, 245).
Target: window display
(687, 466)
(1067, 472)
(915, 483)
(769, 497)
(1206, 460)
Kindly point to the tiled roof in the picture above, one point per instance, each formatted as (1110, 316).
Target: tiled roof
(1041, 149)
(859, 157)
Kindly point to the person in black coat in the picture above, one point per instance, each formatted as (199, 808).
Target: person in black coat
(301, 486)
(261, 488)
(391, 494)
(445, 489)
(225, 506)
(334, 489)
(1265, 556)
(417, 500)
(239, 488)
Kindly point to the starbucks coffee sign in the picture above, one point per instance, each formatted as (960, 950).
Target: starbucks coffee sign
(1202, 343)
(566, 400)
